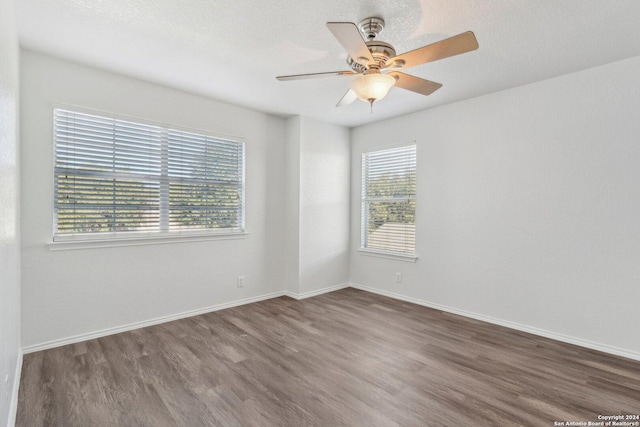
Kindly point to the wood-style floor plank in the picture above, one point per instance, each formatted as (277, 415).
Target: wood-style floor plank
(347, 358)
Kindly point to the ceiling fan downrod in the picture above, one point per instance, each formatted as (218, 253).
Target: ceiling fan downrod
(371, 27)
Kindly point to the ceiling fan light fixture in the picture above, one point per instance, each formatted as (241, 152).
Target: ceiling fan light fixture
(372, 87)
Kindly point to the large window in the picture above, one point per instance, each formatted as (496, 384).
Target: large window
(388, 200)
(118, 178)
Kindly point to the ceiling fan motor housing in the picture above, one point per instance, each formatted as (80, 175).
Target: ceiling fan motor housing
(381, 53)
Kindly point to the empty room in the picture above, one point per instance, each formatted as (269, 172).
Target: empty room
(339, 213)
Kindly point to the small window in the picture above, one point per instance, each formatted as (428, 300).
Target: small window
(118, 178)
(388, 200)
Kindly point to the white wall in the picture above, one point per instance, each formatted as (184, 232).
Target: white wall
(10, 354)
(324, 205)
(528, 206)
(317, 205)
(68, 293)
(292, 205)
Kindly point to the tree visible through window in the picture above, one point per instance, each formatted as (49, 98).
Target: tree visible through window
(388, 200)
(117, 176)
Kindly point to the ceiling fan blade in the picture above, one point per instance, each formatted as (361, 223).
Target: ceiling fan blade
(349, 37)
(455, 45)
(314, 75)
(347, 99)
(415, 84)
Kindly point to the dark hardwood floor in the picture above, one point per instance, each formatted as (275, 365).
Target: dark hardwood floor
(344, 358)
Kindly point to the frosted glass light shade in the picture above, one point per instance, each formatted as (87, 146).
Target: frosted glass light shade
(372, 87)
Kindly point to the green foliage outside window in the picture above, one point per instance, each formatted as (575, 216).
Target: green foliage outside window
(393, 187)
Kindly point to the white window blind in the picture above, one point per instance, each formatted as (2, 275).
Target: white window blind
(388, 200)
(116, 176)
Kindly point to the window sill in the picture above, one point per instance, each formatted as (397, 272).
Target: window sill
(69, 245)
(389, 255)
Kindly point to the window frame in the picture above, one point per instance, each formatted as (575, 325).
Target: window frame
(66, 241)
(364, 209)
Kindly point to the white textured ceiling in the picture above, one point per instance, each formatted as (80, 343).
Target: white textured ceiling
(232, 50)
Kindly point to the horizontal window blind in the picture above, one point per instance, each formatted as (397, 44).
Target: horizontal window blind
(118, 176)
(388, 200)
(205, 181)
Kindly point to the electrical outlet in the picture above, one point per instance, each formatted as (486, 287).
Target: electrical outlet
(241, 281)
(398, 277)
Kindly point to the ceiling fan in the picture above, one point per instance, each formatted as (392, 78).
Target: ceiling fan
(376, 65)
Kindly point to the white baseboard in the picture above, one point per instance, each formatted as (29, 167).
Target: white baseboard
(163, 319)
(145, 323)
(13, 405)
(524, 328)
(316, 292)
